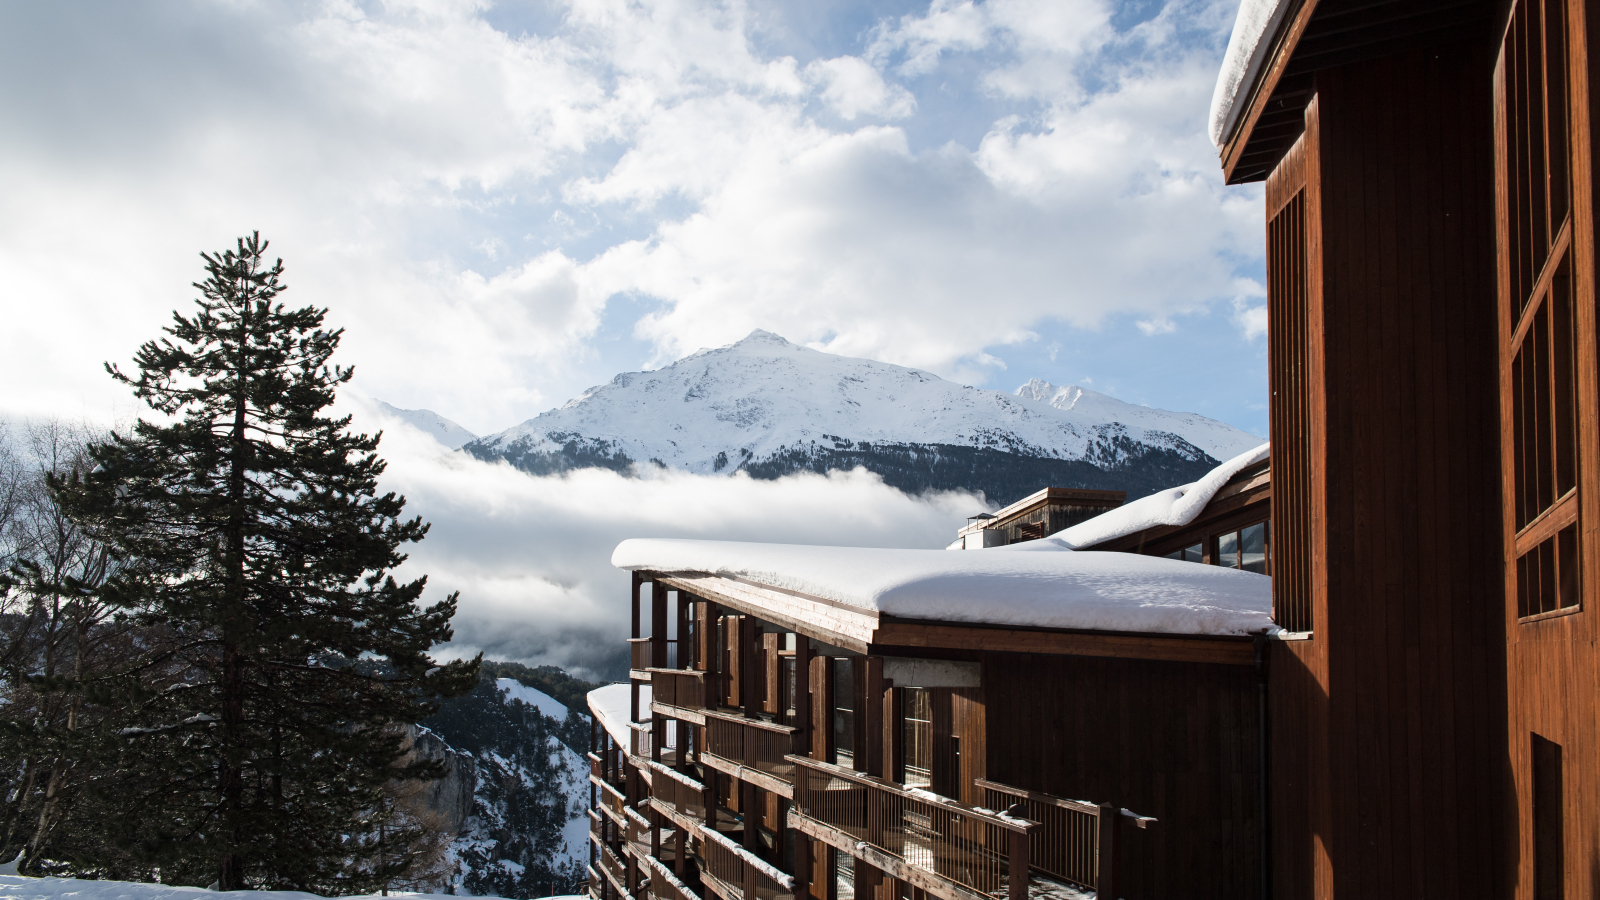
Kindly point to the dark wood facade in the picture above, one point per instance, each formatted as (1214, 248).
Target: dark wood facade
(1432, 318)
(789, 707)
(1039, 514)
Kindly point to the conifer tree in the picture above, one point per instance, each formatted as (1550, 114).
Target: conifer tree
(254, 547)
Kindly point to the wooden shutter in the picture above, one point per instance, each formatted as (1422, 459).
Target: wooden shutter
(1294, 332)
(1544, 333)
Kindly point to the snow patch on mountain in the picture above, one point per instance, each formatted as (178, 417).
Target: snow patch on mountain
(430, 423)
(769, 407)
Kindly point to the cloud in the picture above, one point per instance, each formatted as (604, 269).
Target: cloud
(1151, 327)
(531, 555)
(1250, 308)
(852, 87)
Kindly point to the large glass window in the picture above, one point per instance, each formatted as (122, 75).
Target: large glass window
(1193, 553)
(1244, 549)
(844, 714)
(916, 710)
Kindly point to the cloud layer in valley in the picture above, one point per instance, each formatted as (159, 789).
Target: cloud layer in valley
(531, 555)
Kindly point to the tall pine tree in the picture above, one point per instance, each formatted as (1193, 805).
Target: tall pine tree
(254, 547)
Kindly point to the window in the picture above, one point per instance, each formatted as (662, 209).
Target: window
(844, 875)
(844, 716)
(1540, 334)
(1244, 549)
(916, 711)
(1193, 553)
(1030, 531)
(1549, 851)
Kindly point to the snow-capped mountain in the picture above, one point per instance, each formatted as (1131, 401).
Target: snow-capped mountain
(768, 407)
(443, 430)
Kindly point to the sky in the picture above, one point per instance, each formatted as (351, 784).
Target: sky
(504, 203)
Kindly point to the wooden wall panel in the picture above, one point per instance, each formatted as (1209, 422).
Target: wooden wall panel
(1411, 639)
(1551, 666)
(1178, 741)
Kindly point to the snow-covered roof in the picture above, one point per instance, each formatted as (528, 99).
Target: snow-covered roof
(1173, 506)
(1062, 589)
(1241, 65)
(612, 706)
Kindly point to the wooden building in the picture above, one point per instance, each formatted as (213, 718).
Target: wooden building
(1036, 515)
(815, 748)
(1420, 722)
(1430, 244)
(1234, 529)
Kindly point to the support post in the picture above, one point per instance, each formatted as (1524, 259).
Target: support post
(685, 658)
(710, 653)
(802, 860)
(1018, 867)
(752, 816)
(750, 666)
(1108, 859)
(658, 625)
(872, 713)
(802, 696)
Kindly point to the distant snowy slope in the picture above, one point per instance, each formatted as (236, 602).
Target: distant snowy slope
(443, 430)
(1087, 407)
(544, 703)
(769, 408)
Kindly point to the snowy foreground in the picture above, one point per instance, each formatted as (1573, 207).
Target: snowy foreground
(14, 887)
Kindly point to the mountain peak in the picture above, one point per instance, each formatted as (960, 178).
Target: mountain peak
(1064, 398)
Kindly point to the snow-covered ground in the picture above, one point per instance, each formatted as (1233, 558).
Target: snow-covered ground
(13, 887)
(544, 703)
(717, 410)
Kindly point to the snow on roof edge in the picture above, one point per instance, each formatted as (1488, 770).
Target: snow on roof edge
(1173, 506)
(1247, 51)
(612, 705)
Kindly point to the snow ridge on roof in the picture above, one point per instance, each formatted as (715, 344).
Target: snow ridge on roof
(1173, 506)
(1247, 52)
(612, 706)
(1091, 591)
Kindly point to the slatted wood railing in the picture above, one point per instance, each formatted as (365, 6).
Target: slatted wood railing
(640, 653)
(665, 886)
(684, 688)
(976, 849)
(737, 874)
(752, 743)
(678, 793)
(1073, 841)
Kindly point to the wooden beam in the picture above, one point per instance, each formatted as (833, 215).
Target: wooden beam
(893, 866)
(760, 779)
(832, 623)
(1224, 650)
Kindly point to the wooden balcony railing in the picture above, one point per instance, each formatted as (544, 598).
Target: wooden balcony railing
(613, 802)
(973, 848)
(640, 654)
(597, 827)
(665, 886)
(680, 794)
(751, 743)
(737, 874)
(1074, 841)
(614, 870)
(684, 688)
(638, 835)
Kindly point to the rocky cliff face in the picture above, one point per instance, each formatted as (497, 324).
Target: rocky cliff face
(450, 797)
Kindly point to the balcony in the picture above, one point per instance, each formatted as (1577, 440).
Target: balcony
(638, 835)
(614, 870)
(1073, 841)
(733, 873)
(679, 797)
(751, 750)
(936, 844)
(678, 694)
(613, 803)
(665, 886)
(641, 656)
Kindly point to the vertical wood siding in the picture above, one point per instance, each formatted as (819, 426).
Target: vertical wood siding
(1173, 740)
